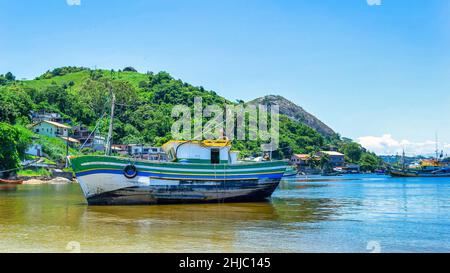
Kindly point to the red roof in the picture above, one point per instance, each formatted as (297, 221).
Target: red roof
(303, 156)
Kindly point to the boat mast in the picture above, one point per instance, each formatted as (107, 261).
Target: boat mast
(111, 119)
(403, 159)
(437, 148)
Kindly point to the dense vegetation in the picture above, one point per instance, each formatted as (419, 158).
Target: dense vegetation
(354, 153)
(14, 141)
(143, 108)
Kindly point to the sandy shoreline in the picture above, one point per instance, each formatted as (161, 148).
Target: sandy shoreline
(57, 180)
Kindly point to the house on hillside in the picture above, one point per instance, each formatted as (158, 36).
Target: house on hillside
(80, 132)
(121, 149)
(53, 129)
(146, 152)
(301, 160)
(336, 159)
(305, 163)
(87, 138)
(38, 116)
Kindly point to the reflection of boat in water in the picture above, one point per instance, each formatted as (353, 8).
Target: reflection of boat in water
(8, 187)
(188, 213)
(290, 171)
(10, 182)
(200, 171)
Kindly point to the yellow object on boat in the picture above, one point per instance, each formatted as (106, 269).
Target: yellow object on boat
(206, 143)
(430, 163)
(216, 143)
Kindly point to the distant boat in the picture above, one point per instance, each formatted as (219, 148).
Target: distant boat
(426, 168)
(11, 182)
(199, 172)
(438, 172)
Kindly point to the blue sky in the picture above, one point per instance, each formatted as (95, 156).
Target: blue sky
(377, 73)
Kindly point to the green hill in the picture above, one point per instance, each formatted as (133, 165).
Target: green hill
(143, 106)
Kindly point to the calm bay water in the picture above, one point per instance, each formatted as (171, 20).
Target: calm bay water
(354, 213)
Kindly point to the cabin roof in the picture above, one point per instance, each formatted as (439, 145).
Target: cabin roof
(73, 140)
(203, 143)
(56, 124)
(332, 153)
(302, 156)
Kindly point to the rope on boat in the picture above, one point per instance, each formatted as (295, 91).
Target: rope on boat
(95, 129)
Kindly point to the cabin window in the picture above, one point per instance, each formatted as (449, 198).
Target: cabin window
(215, 156)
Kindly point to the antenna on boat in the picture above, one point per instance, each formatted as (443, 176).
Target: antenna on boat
(111, 119)
(403, 159)
(437, 147)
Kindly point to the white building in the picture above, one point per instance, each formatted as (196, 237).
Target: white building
(51, 129)
(146, 152)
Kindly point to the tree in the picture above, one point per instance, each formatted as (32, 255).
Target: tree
(369, 162)
(324, 162)
(14, 141)
(130, 69)
(7, 78)
(15, 104)
(10, 77)
(3, 80)
(24, 140)
(353, 151)
(61, 71)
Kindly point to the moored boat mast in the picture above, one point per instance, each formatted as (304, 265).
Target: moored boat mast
(111, 119)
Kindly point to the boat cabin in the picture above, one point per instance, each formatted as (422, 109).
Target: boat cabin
(206, 151)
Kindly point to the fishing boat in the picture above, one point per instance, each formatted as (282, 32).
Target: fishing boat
(11, 182)
(426, 168)
(444, 172)
(197, 172)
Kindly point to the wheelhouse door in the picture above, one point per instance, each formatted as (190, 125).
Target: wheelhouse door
(215, 156)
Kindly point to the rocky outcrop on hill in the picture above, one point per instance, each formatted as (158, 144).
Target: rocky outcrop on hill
(296, 113)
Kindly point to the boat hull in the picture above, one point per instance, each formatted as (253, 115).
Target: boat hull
(103, 181)
(11, 182)
(187, 192)
(417, 174)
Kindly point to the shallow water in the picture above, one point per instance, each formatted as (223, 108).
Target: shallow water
(354, 213)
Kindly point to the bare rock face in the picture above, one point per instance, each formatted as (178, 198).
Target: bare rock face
(296, 113)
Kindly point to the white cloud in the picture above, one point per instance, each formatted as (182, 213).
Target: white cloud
(387, 145)
(374, 2)
(73, 2)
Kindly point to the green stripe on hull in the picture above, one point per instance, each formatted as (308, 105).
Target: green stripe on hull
(87, 163)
